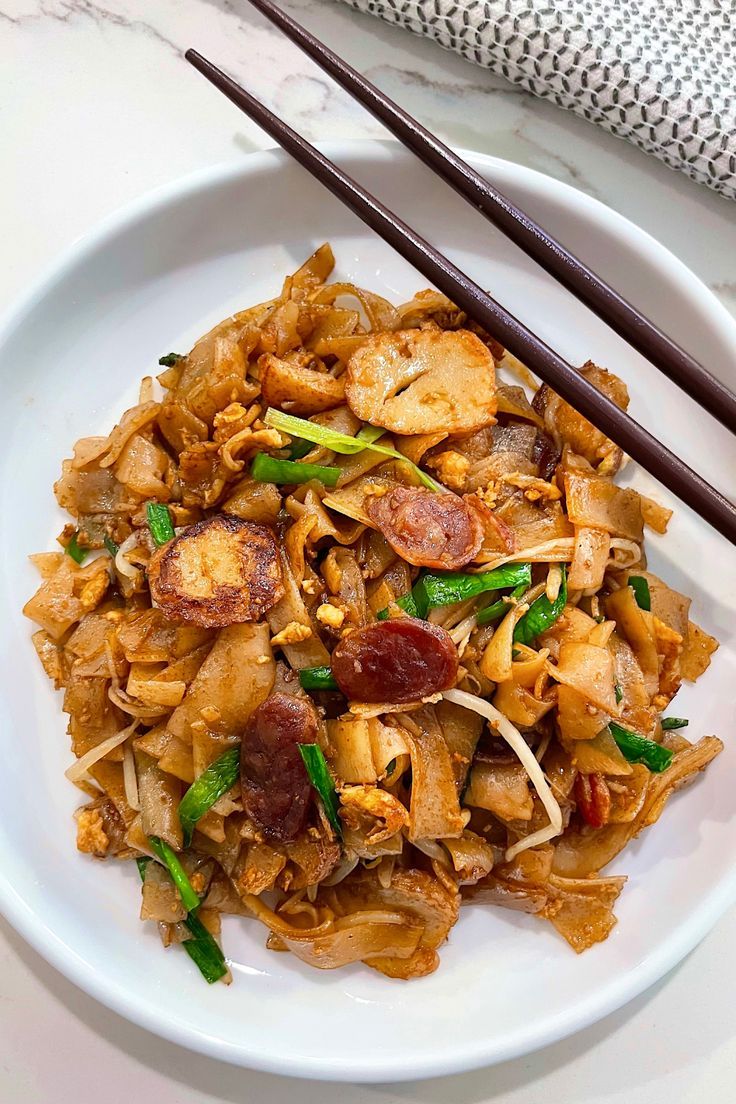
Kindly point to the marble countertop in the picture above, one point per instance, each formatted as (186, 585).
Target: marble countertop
(97, 107)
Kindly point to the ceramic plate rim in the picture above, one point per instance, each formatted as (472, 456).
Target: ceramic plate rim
(457, 1057)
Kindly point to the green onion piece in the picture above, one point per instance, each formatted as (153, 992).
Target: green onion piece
(541, 615)
(618, 692)
(456, 586)
(637, 749)
(142, 863)
(179, 876)
(317, 678)
(170, 359)
(390, 768)
(640, 587)
(204, 950)
(159, 522)
(669, 723)
(215, 781)
(339, 442)
(299, 448)
(73, 549)
(406, 602)
(321, 779)
(268, 469)
(110, 545)
(370, 433)
(499, 608)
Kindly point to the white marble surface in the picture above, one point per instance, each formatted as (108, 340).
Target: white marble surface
(97, 106)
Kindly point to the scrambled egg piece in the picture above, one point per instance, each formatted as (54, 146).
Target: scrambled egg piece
(91, 835)
(330, 615)
(452, 469)
(293, 633)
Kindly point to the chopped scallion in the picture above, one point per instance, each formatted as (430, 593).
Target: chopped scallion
(299, 448)
(179, 876)
(110, 545)
(142, 863)
(159, 522)
(541, 615)
(170, 359)
(640, 587)
(215, 781)
(638, 749)
(499, 608)
(269, 469)
(670, 723)
(406, 602)
(321, 779)
(74, 549)
(340, 442)
(618, 692)
(317, 678)
(204, 950)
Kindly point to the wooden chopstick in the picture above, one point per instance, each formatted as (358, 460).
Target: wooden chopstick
(562, 377)
(520, 228)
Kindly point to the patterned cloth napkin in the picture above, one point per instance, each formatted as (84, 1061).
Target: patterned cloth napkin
(662, 74)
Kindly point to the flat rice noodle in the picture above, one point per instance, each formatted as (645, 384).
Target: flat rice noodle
(667, 604)
(520, 885)
(589, 670)
(589, 562)
(520, 705)
(533, 525)
(497, 662)
(415, 446)
(160, 897)
(148, 637)
(381, 314)
(461, 729)
(582, 910)
(294, 543)
(299, 390)
(597, 503)
(95, 491)
(235, 678)
(310, 859)
(223, 898)
(697, 649)
(343, 576)
(310, 652)
(226, 382)
(581, 852)
(330, 324)
(351, 748)
(635, 709)
(141, 468)
(92, 716)
(252, 500)
(502, 789)
(655, 516)
(576, 718)
(174, 755)
(565, 423)
(472, 857)
(312, 273)
(308, 503)
(435, 810)
(421, 898)
(395, 582)
(109, 776)
(56, 605)
(353, 467)
(149, 689)
(628, 794)
(51, 656)
(257, 868)
(561, 769)
(601, 755)
(350, 500)
(226, 852)
(636, 626)
(159, 795)
(512, 400)
(574, 624)
(375, 555)
(179, 426)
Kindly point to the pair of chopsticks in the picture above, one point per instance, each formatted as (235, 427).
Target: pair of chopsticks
(620, 315)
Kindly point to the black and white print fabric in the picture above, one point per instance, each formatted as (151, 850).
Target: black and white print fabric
(661, 74)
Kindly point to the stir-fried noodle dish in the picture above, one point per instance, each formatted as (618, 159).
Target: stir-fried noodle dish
(352, 633)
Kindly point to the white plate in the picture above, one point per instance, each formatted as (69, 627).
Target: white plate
(152, 279)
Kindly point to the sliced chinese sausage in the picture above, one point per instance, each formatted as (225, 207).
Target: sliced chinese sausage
(397, 661)
(221, 571)
(428, 529)
(275, 785)
(423, 381)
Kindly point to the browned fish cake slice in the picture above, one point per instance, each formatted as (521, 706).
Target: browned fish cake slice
(221, 571)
